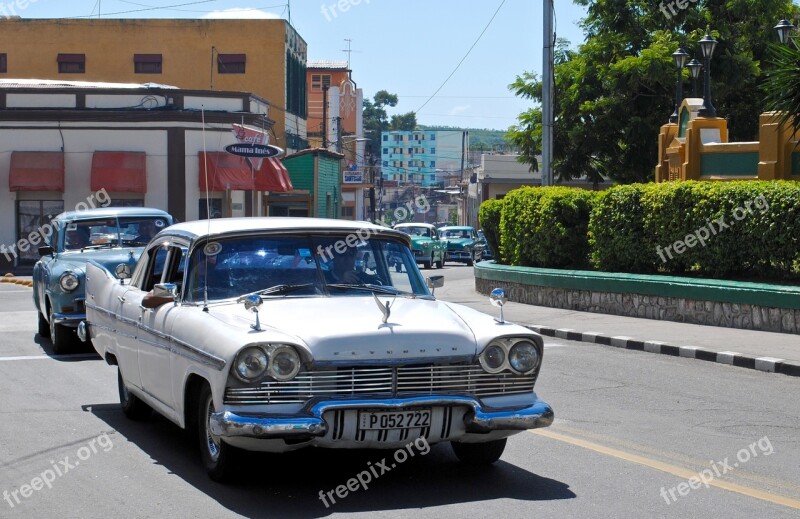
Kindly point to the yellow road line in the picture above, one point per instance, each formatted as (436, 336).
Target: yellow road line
(670, 469)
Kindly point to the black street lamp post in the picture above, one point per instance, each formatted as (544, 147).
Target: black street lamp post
(694, 70)
(679, 56)
(707, 45)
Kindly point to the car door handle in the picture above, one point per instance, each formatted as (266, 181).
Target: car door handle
(121, 299)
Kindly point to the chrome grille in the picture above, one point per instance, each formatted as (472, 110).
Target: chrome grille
(382, 381)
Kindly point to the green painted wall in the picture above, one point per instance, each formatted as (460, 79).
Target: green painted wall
(729, 164)
(328, 183)
(774, 296)
(301, 171)
(795, 163)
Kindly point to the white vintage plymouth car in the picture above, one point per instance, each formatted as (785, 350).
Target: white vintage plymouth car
(274, 334)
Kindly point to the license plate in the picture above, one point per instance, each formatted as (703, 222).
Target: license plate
(394, 419)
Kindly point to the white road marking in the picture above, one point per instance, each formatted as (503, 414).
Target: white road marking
(548, 345)
(54, 357)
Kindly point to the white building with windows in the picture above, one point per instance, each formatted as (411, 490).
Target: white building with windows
(140, 145)
(426, 158)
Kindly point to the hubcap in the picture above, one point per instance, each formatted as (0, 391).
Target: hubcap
(212, 441)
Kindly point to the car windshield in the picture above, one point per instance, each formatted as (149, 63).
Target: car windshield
(111, 232)
(301, 266)
(424, 232)
(457, 233)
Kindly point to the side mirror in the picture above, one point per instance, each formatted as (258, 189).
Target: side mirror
(162, 293)
(45, 250)
(434, 282)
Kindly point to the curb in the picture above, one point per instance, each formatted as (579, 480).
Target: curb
(16, 281)
(731, 358)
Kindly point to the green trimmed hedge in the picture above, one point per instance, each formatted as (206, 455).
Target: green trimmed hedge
(489, 216)
(717, 229)
(546, 227)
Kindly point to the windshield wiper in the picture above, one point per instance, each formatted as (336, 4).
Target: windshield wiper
(368, 287)
(278, 290)
(98, 246)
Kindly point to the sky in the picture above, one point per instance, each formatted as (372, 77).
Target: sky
(407, 47)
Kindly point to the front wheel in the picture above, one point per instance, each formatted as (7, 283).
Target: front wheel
(44, 326)
(59, 336)
(217, 456)
(479, 453)
(132, 405)
(426, 264)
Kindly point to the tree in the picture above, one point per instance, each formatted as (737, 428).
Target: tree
(783, 85)
(376, 120)
(406, 121)
(616, 90)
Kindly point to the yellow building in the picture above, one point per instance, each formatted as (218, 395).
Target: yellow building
(265, 57)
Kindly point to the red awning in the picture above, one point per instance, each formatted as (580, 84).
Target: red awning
(36, 171)
(225, 171)
(273, 176)
(119, 171)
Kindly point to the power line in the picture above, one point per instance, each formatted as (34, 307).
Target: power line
(150, 8)
(464, 58)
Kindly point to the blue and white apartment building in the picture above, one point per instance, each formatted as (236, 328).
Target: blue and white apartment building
(426, 158)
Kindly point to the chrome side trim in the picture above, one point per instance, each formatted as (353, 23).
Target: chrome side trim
(176, 346)
(310, 423)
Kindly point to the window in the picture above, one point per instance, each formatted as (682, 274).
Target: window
(385, 150)
(433, 136)
(296, 86)
(319, 81)
(433, 164)
(71, 63)
(33, 219)
(147, 63)
(348, 212)
(386, 163)
(433, 151)
(3, 63)
(216, 208)
(231, 63)
(385, 137)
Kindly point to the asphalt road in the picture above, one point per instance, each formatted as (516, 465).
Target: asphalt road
(630, 435)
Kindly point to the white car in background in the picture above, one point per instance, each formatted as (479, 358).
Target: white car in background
(274, 334)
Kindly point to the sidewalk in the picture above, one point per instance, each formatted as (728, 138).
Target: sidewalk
(765, 351)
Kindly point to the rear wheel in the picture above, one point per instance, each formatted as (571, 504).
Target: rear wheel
(440, 264)
(218, 457)
(426, 264)
(59, 336)
(44, 326)
(132, 405)
(479, 453)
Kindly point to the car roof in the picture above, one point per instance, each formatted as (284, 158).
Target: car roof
(456, 228)
(106, 212)
(218, 226)
(415, 224)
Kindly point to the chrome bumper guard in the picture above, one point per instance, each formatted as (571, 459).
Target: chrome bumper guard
(69, 319)
(309, 422)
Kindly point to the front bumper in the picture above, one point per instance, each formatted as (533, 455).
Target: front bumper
(460, 255)
(310, 422)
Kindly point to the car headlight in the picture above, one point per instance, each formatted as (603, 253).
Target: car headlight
(523, 357)
(284, 363)
(466, 246)
(68, 281)
(493, 358)
(425, 245)
(250, 364)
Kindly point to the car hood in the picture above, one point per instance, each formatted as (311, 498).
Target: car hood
(351, 329)
(458, 242)
(109, 258)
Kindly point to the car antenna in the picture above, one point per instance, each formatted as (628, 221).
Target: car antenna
(208, 209)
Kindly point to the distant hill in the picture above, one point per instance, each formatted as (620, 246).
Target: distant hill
(479, 138)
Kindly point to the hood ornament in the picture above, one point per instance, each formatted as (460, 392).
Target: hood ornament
(386, 309)
(252, 303)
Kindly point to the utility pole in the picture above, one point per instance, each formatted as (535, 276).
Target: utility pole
(325, 116)
(547, 96)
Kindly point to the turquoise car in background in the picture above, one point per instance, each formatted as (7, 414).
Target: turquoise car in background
(426, 244)
(110, 236)
(463, 244)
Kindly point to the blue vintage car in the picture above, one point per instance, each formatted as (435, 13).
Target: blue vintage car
(110, 236)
